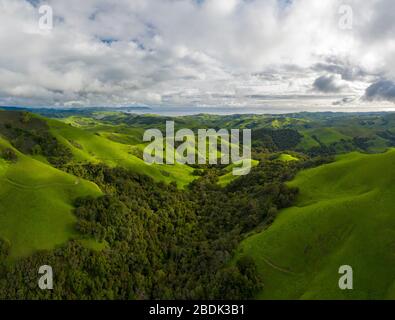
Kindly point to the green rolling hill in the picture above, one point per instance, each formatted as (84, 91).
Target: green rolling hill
(92, 141)
(36, 199)
(287, 157)
(36, 204)
(344, 215)
(87, 146)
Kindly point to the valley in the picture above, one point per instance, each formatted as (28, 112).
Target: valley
(76, 191)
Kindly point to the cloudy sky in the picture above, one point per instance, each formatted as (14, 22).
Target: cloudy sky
(308, 54)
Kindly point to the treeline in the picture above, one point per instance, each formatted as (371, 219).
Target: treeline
(275, 140)
(31, 135)
(161, 242)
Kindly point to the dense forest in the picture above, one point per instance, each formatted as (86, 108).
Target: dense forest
(162, 242)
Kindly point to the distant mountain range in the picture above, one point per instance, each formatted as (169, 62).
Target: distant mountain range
(60, 112)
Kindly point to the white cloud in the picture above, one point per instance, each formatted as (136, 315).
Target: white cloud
(189, 52)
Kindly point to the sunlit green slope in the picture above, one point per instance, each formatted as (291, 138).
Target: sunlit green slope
(36, 204)
(344, 216)
(90, 147)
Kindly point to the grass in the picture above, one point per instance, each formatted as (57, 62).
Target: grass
(227, 178)
(36, 204)
(90, 147)
(36, 199)
(287, 157)
(343, 216)
(3, 166)
(325, 136)
(328, 135)
(90, 141)
(307, 142)
(131, 138)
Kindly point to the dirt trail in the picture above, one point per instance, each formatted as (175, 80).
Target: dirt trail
(274, 266)
(34, 187)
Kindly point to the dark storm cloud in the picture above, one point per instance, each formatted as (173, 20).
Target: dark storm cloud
(328, 84)
(382, 90)
(347, 71)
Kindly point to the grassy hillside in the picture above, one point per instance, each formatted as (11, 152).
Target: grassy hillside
(344, 216)
(36, 198)
(36, 204)
(120, 144)
(87, 146)
(320, 133)
(287, 157)
(228, 177)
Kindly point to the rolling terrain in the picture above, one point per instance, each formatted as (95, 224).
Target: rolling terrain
(36, 198)
(36, 204)
(344, 215)
(95, 147)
